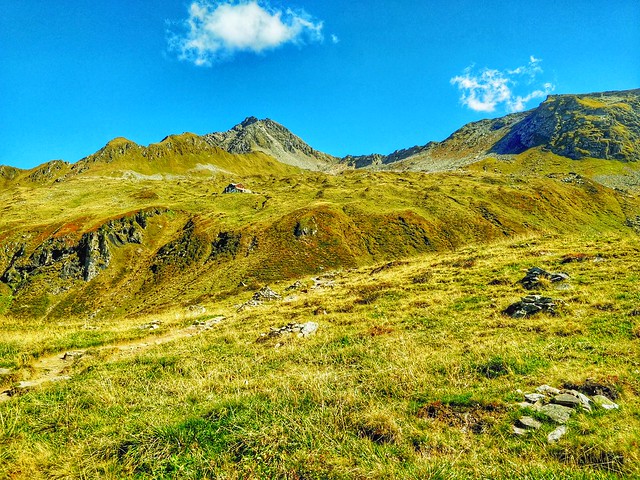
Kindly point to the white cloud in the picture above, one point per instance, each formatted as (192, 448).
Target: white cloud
(334, 39)
(216, 30)
(489, 89)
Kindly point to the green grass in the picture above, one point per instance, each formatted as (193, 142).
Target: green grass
(353, 401)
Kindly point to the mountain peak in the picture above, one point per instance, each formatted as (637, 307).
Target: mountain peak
(249, 121)
(272, 138)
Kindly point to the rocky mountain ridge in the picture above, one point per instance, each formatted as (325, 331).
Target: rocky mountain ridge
(599, 125)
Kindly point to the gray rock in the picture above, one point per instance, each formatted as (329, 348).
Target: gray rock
(528, 423)
(557, 434)
(584, 400)
(604, 402)
(308, 328)
(265, 294)
(5, 371)
(557, 413)
(567, 400)
(547, 390)
(519, 431)
(297, 285)
(533, 397)
(531, 280)
(530, 305)
(525, 405)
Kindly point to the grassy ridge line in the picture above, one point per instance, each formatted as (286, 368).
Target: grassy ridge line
(345, 403)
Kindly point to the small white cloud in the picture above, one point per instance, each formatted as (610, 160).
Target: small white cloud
(217, 30)
(485, 91)
(334, 39)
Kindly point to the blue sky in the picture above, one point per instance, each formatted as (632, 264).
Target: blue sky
(347, 77)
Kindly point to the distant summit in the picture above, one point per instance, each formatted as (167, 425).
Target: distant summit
(273, 139)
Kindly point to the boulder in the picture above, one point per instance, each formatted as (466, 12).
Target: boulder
(557, 434)
(533, 397)
(529, 423)
(546, 389)
(567, 400)
(530, 305)
(605, 403)
(557, 413)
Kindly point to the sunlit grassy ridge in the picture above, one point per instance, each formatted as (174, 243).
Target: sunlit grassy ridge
(201, 244)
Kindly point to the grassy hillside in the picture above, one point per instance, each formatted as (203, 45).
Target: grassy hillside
(107, 246)
(414, 372)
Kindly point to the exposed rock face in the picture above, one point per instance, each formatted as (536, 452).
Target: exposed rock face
(181, 252)
(604, 125)
(600, 125)
(306, 227)
(273, 139)
(226, 244)
(461, 148)
(84, 258)
(94, 254)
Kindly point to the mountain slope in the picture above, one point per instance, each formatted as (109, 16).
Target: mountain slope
(177, 156)
(603, 125)
(99, 245)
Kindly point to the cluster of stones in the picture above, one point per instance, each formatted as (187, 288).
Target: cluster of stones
(532, 304)
(265, 294)
(532, 280)
(324, 281)
(302, 329)
(154, 325)
(207, 324)
(558, 406)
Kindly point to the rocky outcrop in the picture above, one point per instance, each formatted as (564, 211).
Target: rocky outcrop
(306, 227)
(189, 247)
(530, 305)
(83, 259)
(227, 244)
(603, 125)
(273, 139)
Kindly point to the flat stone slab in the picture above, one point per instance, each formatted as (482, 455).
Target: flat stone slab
(533, 397)
(605, 403)
(519, 431)
(557, 413)
(567, 400)
(529, 423)
(557, 434)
